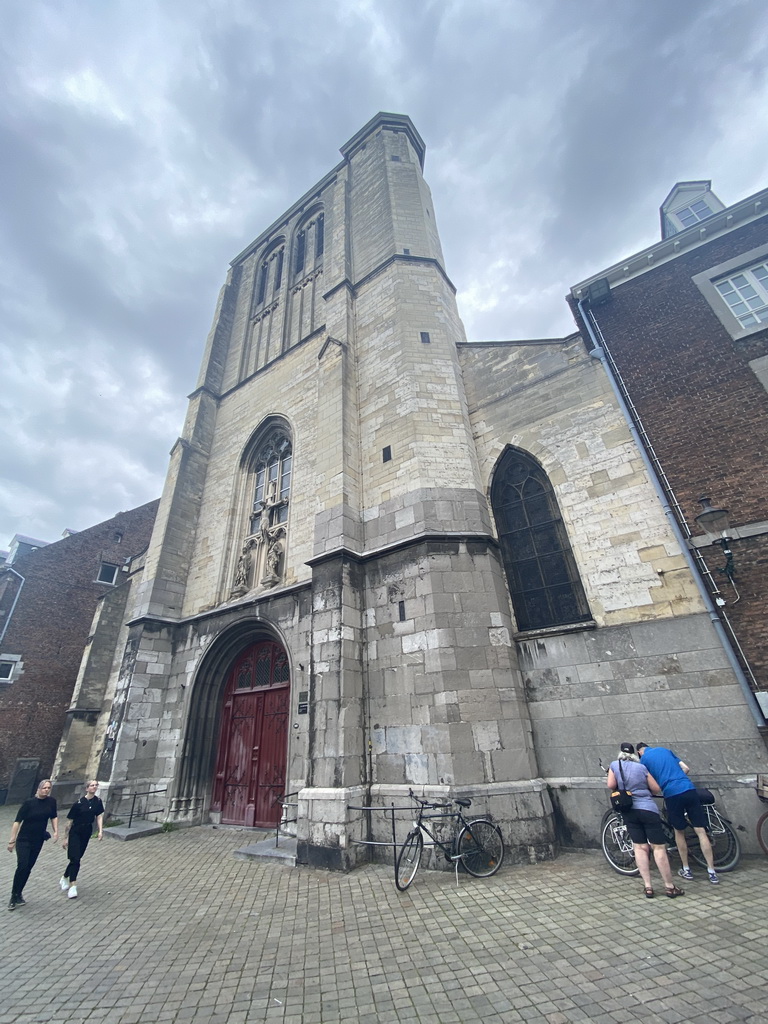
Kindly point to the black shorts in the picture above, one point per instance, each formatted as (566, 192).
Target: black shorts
(685, 805)
(644, 827)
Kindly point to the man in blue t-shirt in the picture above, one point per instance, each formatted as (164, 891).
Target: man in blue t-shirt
(682, 802)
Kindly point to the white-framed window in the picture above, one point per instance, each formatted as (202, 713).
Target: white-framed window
(108, 573)
(737, 292)
(10, 667)
(747, 294)
(690, 215)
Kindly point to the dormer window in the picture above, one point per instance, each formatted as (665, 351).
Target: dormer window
(688, 204)
(690, 215)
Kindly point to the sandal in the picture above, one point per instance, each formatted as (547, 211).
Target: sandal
(674, 891)
(649, 893)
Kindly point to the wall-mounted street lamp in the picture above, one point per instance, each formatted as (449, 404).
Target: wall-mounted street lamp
(716, 524)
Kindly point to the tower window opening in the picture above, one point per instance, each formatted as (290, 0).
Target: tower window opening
(319, 236)
(262, 289)
(301, 247)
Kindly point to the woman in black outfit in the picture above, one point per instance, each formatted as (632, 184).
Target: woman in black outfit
(28, 833)
(77, 833)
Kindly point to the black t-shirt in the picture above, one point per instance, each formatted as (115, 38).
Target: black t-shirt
(34, 815)
(84, 813)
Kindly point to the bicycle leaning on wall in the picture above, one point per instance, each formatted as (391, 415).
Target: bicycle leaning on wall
(619, 852)
(762, 821)
(477, 845)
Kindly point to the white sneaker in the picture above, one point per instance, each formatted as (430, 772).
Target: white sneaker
(72, 892)
(63, 883)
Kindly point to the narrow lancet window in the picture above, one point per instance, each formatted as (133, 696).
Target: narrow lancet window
(541, 571)
(301, 246)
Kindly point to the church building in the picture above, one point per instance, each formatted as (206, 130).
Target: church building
(386, 558)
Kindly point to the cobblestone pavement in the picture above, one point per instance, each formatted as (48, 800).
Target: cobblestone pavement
(173, 928)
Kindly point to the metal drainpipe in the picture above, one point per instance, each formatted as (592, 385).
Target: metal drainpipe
(598, 352)
(15, 600)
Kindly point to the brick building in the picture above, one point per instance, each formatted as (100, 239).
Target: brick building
(48, 595)
(385, 557)
(683, 327)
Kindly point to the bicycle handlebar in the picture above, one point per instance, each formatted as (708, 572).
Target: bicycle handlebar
(427, 803)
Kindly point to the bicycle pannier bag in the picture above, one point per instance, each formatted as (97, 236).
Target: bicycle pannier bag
(621, 799)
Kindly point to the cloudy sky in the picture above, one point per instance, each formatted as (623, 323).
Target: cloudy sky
(146, 142)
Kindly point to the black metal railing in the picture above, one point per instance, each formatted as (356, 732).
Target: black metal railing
(146, 811)
(285, 802)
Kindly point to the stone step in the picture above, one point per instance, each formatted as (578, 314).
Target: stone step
(265, 849)
(138, 829)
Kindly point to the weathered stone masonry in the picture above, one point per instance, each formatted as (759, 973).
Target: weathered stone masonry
(389, 593)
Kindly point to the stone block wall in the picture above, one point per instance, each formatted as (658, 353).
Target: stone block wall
(553, 401)
(444, 698)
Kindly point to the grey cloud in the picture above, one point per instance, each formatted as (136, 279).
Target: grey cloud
(144, 152)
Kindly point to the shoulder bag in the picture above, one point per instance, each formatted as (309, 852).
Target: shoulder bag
(621, 799)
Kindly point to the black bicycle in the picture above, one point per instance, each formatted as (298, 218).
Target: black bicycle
(477, 845)
(620, 854)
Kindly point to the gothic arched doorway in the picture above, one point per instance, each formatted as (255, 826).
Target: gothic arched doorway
(253, 739)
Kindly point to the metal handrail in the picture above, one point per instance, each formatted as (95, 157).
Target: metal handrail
(285, 801)
(148, 792)
(404, 809)
(372, 842)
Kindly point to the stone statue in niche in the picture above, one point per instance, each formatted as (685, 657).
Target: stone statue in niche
(243, 570)
(272, 562)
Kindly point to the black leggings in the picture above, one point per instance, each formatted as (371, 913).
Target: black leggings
(26, 856)
(77, 844)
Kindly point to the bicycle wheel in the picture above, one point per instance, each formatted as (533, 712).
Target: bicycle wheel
(481, 847)
(726, 849)
(762, 833)
(617, 846)
(408, 859)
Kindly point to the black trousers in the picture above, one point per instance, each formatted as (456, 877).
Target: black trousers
(26, 856)
(77, 844)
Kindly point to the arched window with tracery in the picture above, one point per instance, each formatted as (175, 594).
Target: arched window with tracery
(269, 466)
(541, 571)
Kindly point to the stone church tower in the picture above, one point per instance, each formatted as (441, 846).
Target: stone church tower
(326, 606)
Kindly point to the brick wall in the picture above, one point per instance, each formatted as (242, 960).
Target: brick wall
(49, 630)
(704, 408)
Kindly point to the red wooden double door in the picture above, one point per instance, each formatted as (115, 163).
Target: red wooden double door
(253, 741)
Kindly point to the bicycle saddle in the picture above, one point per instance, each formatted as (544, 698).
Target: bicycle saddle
(463, 803)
